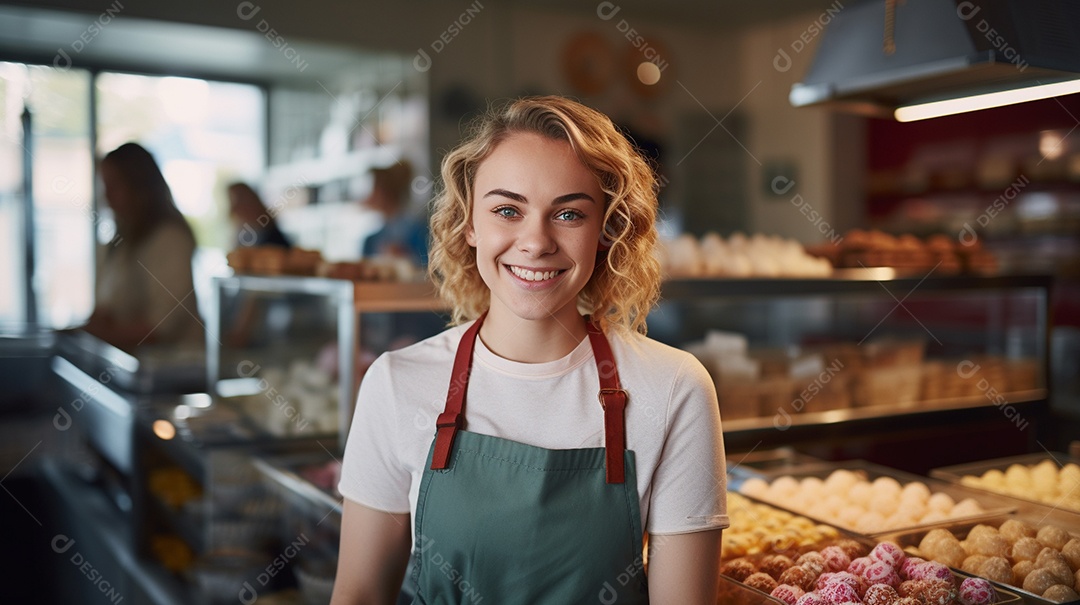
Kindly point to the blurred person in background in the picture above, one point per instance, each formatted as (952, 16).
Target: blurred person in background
(255, 225)
(144, 292)
(402, 234)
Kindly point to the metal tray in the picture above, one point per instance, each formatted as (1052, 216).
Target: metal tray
(151, 370)
(956, 473)
(756, 463)
(910, 540)
(995, 506)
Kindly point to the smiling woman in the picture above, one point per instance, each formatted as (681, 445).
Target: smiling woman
(580, 429)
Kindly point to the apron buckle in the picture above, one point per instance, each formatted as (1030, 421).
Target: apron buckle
(605, 393)
(447, 420)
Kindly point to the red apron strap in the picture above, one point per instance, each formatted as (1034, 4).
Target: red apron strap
(613, 400)
(449, 421)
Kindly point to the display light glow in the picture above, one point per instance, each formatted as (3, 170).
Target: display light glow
(937, 109)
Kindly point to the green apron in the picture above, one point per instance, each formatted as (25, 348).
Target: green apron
(503, 522)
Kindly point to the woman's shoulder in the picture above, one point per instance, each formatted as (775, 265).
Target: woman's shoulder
(432, 352)
(654, 357)
(170, 235)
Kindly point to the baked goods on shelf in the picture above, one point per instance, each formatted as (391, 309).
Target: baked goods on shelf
(738, 256)
(274, 260)
(940, 253)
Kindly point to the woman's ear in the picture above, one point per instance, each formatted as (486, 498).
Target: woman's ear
(470, 235)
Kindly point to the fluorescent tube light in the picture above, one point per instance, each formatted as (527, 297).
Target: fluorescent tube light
(936, 109)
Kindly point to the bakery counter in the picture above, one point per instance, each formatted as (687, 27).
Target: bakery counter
(871, 363)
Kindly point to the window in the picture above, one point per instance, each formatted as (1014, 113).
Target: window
(203, 134)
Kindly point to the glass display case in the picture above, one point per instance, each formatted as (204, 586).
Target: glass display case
(851, 355)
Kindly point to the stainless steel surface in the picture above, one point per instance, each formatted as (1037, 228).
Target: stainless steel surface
(283, 471)
(150, 370)
(106, 417)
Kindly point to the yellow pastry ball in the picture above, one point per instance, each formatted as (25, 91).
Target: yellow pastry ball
(1045, 472)
(993, 479)
(966, 508)
(990, 545)
(812, 487)
(860, 493)
(870, 522)
(973, 563)
(940, 502)
(884, 504)
(1013, 530)
(1021, 571)
(783, 488)
(849, 516)
(1017, 476)
(840, 481)
(755, 487)
(1060, 593)
(933, 538)
(997, 569)
(1053, 536)
(887, 485)
(932, 516)
(916, 490)
(1026, 549)
(1038, 581)
(951, 554)
(971, 481)
(1071, 552)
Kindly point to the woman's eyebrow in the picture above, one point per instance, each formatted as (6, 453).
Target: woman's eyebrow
(562, 199)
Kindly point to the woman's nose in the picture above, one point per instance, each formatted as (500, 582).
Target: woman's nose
(535, 237)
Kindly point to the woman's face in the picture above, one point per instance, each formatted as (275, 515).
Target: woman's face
(536, 218)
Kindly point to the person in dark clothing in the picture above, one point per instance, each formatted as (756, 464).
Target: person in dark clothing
(255, 224)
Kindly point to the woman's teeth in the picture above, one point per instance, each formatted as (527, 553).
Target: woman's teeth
(528, 275)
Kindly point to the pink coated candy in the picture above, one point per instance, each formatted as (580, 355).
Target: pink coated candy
(976, 591)
(931, 570)
(811, 598)
(889, 553)
(880, 594)
(858, 566)
(909, 564)
(881, 572)
(839, 592)
(841, 577)
(787, 593)
(835, 558)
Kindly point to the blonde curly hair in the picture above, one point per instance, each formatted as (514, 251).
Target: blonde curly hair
(626, 281)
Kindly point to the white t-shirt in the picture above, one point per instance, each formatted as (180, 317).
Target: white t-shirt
(672, 422)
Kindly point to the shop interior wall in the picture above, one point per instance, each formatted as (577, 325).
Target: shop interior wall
(725, 85)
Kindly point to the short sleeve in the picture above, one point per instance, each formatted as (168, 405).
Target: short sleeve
(689, 484)
(373, 472)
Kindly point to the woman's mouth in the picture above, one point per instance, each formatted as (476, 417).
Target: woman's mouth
(534, 275)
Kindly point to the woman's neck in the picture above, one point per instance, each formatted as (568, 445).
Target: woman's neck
(532, 341)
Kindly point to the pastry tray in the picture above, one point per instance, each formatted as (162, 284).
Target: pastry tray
(994, 506)
(955, 474)
(909, 541)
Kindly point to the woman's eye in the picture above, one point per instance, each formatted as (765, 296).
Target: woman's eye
(569, 215)
(506, 212)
